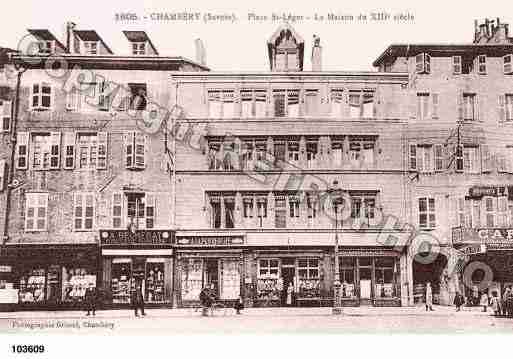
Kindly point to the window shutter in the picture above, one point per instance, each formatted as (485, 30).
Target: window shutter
(78, 211)
(117, 210)
(3, 174)
(69, 150)
(151, 210)
(502, 108)
(128, 139)
(6, 116)
(22, 149)
(486, 159)
(102, 150)
(460, 105)
(73, 102)
(413, 157)
(414, 104)
(477, 108)
(55, 150)
(270, 150)
(434, 108)
(140, 150)
(502, 161)
(459, 158)
(427, 63)
(439, 158)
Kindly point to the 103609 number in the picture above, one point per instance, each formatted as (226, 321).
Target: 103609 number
(23, 349)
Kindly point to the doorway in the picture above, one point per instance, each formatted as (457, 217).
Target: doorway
(288, 272)
(212, 274)
(365, 285)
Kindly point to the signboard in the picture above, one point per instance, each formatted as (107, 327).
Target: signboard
(142, 237)
(489, 191)
(473, 249)
(493, 238)
(215, 241)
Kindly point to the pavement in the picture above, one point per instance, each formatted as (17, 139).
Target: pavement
(261, 320)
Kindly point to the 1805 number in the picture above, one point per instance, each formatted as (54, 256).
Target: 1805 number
(28, 349)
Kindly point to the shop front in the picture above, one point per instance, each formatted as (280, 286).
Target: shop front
(209, 260)
(47, 276)
(489, 254)
(137, 258)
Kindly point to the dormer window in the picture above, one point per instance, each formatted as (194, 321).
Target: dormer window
(139, 48)
(91, 47)
(508, 64)
(286, 60)
(45, 47)
(423, 63)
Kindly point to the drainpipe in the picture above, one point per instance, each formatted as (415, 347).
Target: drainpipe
(10, 175)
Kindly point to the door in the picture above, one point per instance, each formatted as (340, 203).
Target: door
(212, 274)
(287, 274)
(365, 284)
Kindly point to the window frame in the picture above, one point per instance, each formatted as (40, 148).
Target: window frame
(507, 65)
(36, 208)
(429, 213)
(40, 96)
(82, 197)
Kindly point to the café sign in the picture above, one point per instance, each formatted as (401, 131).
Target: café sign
(140, 237)
(207, 241)
(493, 238)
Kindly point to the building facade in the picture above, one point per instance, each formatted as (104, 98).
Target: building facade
(90, 196)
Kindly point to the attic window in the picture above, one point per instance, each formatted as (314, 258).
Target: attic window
(423, 63)
(139, 48)
(91, 47)
(286, 60)
(45, 46)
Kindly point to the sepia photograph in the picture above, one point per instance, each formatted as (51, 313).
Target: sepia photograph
(254, 169)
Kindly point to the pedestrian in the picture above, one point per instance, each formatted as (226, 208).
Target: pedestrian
(509, 303)
(495, 304)
(138, 300)
(239, 305)
(475, 295)
(484, 301)
(429, 297)
(505, 296)
(458, 301)
(90, 298)
(290, 292)
(205, 300)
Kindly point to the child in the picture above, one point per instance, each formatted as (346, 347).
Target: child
(239, 305)
(484, 301)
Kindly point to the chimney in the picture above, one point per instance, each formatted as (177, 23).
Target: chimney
(201, 55)
(316, 54)
(69, 36)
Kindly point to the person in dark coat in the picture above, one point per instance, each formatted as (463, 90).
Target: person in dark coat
(90, 299)
(206, 300)
(458, 301)
(239, 305)
(138, 300)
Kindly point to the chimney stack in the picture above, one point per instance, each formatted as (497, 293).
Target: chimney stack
(201, 55)
(69, 36)
(316, 54)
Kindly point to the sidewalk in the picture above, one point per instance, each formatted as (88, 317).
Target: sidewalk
(439, 311)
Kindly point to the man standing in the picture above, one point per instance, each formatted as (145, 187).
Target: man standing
(458, 301)
(90, 299)
(138, 299)
(429, 297)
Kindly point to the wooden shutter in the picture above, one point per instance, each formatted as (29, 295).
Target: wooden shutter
(151, 210)
(3, 174)
(486, 159)
(78, 211)
(502, 108)
(6, 116)
(55, 150)
(22, 150)
(477, 109)
(101, 162)
(412, 157)
(140, 150)
(460, 105)
(413, 107)
(69, 146)
(459, 158)
(434, 104)
(128, 140)
(117, 210)
(438, 157)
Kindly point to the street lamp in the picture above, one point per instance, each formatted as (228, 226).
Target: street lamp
(336, 198)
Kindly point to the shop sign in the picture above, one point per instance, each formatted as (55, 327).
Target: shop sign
(488, 191)
(125, 237)
(496, 238)
(210, 241)
(5, 269)
(474, 249)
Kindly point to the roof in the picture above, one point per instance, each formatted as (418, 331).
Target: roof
(91, 35)
(300, 42)
(139, 36)
(45, 35)
(405, 50)
(4, 55)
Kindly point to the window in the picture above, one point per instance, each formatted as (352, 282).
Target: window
(469, 107)
(268, 268)
(69, 150)
(481, 64)
(247, 207)
(229, 211)
(502, 211)
(261, 210)
(294, 206)
(311, 102)
(280, 211)
(73, 100)
(247, 154)
(311, 153)
(427, 213)
(363, 207)
(5, 114)
(117, 210)
(22, 146)
(337, 102)
(456, 65)
(46, 150)
(476, 213)
(439, 158)
(286, 103)
(311, 205)
(92, 150)
(470, 159)
(490, 206)
(45, 47)
(3, 175)
(222, 210)
(337, 151)
(422, 106)
(308, 268)
(135, 150)
(361, 150)
(41, 97)
(286, 60)
(36, 208)
(460, 203)
(138, 96)
(508, 64)
(221, 103)
(384, 277)
(508, 107)
(425, 160)
(347, 277)
(423, 63)
(83, 211)
(361, 104)
(141, 210)
(253, 103)
(138, 48)
(90, 47)
(293, 151)
(413, 157)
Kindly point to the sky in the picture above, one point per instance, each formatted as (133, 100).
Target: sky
(241, 46)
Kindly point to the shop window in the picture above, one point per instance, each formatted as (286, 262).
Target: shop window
(154, 280)
(192, 278)
(336, 102)
(268, 283)
(361, 104)
(5, 115)
(135, 150)
(121, 280)
(36, 211)
(347, 277)
(41, 97)
(46, 150)
(230, 279)
(308, 268)
(83, 211)
(427, 213)
(32, 286)
(268, 268)
(309, 278)
(384, 274)
(75, 281)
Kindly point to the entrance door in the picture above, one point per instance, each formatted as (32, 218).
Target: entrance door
(212, 274)
(365, 285)
(287, 274)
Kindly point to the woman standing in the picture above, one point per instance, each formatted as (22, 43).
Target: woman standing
(484, 301)
(290, 292)
(429, 297)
